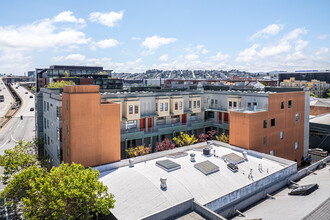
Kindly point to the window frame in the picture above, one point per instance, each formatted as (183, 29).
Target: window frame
(271, 122)
(289, 103)
(265, 123)
(130, 109)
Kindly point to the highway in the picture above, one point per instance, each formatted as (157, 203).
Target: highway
(16, 128)
(4, 106)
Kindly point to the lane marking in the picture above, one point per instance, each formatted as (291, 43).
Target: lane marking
(13, 139)
(4, 144)
(10, 128)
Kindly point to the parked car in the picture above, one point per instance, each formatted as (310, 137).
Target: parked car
(31, 96)
(26, 92)
(31, 109)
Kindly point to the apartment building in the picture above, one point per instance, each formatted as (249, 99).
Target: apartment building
(147, 117)
(315, 86)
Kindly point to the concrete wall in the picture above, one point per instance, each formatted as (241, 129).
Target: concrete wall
(246, 129)
(91, 129)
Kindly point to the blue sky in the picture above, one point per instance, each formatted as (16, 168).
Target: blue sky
(133, 36)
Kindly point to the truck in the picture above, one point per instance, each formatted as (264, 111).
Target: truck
(2, 98)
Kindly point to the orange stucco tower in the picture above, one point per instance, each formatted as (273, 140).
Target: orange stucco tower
(90, 128)
(278, 130)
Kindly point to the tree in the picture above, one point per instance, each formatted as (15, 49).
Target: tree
(223, 138)
(327, 94)
(66, 74)
(166, 144)
(33, 88)
(184, 139)
(66, 192)
(264, 83)
(210, 135)
(138, 151)
(22, 156)
(60, 84)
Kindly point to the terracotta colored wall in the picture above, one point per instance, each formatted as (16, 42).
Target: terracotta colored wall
(246, 129)
(94, 127)
(319, 110)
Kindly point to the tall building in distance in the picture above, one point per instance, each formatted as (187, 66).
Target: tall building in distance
(319, 88)
(272, 121)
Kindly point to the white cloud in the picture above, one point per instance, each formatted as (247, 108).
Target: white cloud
(322, 51)
(248, 54)
(191, 57)
(323, 37)
(272, 29)
(107, 43)
(163, 57)
(70, 57)
(136, 38)
(204, 51)
(199, 47)
(301, 44)
(108, 19)
(154, 42)
(295, 34)
(66, 16)
(220, 57)
(268, 51)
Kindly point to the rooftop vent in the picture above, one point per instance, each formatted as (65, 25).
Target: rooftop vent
(207, 167)
(233, 158)
(304, 190)
(206, 151)
(192, 157)
(244, 155)
(168, 165)
(163, 184)
(232, 167)
(131, 162)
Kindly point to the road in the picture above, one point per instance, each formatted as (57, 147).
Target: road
(4, 106)
(16, 128)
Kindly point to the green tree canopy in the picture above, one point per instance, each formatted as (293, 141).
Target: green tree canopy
(312, 94)
(60, 84)
(223, 138)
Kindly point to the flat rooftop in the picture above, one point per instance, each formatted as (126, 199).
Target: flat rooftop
(296, 207)
(321, 119)
(137, 189)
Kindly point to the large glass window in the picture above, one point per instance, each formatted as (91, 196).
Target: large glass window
(156, 107)
(180, 105)
(195, 104)
(230, 104)
(166, 106)
(130, 109)
(176, 106)
(161, 107)
(198, 104)
(136, 109)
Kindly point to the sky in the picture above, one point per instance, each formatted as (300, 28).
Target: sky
(137, 35)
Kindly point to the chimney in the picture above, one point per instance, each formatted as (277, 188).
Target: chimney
(163, 182)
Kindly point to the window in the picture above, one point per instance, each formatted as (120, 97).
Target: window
(281, 135)
(67, 129)
(265, 123)
(235, 104)
(130, 124)
(230, 104)
(67, 150)
(272, 122)
(216, 102)
(47, 106)
(198, 104)
(272, 152)
(296, 146)
(47, 124)
(166, 106)
(239, 105)
(67, 104)
(51, 105)
(156, 107)
(264, 141)
(44, 106)
(136, 109)
(161, 107)
(282, 105)
(189, 104)
(249, 105)
(45, 139)
(180, 105)
(57, 112)
(297, 117)
(48, 140)
(161, 121)
(130, 109)
(175, 119)
(289, 103)
(176, 106)
(195, 104)
(254, 104)
(212, 102)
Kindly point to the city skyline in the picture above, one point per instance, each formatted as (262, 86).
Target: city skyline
(134, 36)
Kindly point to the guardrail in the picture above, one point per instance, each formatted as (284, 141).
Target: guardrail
(13, 108)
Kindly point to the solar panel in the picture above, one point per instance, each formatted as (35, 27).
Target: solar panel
(233, 158)
(206, 167)
(168, 165)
